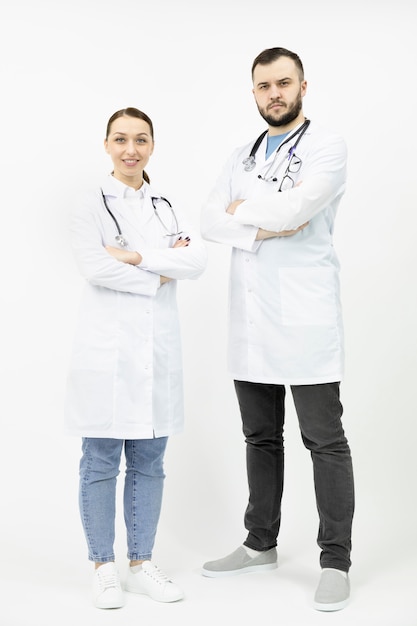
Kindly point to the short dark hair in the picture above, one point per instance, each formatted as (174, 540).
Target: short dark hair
(272, 54)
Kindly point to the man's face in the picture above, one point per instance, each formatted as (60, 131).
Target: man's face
(279, 92)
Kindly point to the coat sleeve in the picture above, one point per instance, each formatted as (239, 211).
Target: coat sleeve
(322, 181)
(177, 263)
(217, 225)
(95, 264)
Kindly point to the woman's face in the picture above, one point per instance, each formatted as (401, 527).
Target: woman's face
(129, 145)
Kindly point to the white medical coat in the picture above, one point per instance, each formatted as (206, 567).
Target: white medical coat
(285, 320)
(125, 377)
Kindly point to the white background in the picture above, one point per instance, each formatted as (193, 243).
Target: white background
(65, 68)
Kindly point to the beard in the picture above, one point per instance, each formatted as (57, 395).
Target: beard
(286, 117)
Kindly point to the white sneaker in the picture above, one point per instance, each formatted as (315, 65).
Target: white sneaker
(148, 579)
(107, 590)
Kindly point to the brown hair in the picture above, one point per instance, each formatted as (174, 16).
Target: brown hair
(131, 112)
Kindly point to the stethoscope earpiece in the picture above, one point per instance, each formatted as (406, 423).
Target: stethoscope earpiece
(273, 180)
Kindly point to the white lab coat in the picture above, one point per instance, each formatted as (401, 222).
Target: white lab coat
(285, 323)
(125, 376)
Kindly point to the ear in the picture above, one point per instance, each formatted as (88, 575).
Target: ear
(303, 88)
(106, 146)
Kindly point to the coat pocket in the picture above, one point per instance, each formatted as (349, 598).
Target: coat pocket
(309, 296)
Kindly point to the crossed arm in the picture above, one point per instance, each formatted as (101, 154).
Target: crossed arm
(135, 258)
(262, 233)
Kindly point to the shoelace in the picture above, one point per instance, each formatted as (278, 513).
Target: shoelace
(156, 575)
(107, 581)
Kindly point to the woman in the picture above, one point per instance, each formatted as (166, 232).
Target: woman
(125, 379)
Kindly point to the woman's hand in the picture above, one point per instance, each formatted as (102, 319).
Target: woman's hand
(124, 256)
(180, 243)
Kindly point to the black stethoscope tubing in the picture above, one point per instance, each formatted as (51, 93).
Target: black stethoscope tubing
(121, 239)
(169, 234)
(250, 162)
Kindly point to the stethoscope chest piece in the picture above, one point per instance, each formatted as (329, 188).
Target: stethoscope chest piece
(249, 163)
(121, 241)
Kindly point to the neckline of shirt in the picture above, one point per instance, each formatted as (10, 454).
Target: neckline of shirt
(272, 143)
(130, 192)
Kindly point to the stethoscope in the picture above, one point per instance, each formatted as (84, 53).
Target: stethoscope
(250, 162)
(122, 241)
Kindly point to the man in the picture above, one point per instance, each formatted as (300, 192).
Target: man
(275, 203)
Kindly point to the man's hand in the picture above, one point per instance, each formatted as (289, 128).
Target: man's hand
(233, 206)
(125, 256)
(268, 234)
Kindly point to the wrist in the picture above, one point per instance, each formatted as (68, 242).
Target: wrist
(137, 258)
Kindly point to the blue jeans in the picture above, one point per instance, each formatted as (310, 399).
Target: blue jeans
(319, 414)
(143, 487)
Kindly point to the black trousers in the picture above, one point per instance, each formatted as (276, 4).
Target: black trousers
(319, 412)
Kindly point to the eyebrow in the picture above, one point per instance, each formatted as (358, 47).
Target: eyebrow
(267, 82)
(117, 132)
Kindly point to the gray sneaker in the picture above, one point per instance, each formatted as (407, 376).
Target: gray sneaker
(333, 591)
(239, 562)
